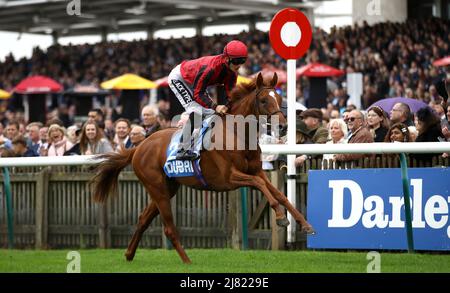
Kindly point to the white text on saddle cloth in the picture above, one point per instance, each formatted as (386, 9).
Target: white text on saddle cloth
(179, 167)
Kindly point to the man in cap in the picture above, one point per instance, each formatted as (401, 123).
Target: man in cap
(310, 130)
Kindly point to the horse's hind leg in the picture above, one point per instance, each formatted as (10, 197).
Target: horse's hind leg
(147, 216)
(149, 213)
(170, 230)
(299, 218)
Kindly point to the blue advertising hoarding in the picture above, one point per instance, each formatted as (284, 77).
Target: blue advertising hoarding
(364, 209)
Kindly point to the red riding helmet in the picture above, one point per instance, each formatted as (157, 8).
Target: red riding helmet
(235, 49)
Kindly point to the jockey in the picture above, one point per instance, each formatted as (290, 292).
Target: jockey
(189, 82)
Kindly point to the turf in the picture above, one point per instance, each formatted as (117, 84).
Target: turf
(219, 261)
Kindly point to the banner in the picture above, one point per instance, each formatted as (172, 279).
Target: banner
(364, 209)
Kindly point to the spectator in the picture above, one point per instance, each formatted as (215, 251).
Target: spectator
(98, 116)
(398, 132)
(401, 113)
(4, 141)
(73, 132)
(43, 136)
(6, 152)
(359, 134)
(345, 113)
(428, 125)
(122, 138)
(58, 141)
(438, 108)
(337, 130)
(150, 119)
(378, 123)
(311, 126)
(429, 128)
(34, 139)
(137, 135)
(73, 135)
(20, 148)
(446, 127)
(310, 130)
(92, 140)
(109, 130)
(12, 130)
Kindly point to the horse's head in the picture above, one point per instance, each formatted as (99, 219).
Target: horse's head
(268, 103)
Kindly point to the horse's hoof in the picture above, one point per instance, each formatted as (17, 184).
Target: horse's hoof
(284, 222)
(187, 261)
(129, 256)
(308, 230)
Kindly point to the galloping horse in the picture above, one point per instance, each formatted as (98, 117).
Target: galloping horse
(223, 170)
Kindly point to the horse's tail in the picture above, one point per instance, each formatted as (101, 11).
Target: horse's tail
(107, 172)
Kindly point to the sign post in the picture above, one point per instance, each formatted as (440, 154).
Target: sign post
(290, 36)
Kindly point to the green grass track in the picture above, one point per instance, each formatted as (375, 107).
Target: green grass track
(219, 261)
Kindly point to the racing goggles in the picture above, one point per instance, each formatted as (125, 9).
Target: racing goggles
(238, 61)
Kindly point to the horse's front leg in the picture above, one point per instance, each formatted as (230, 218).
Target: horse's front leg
(241, 179)
(299, 218)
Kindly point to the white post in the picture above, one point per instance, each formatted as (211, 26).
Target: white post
(291, 99)
(153, 98)
(26, 108)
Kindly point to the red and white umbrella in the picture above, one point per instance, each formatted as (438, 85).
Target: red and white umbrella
(268, 70)
(442, 62)
(38, 84)
(318, 70)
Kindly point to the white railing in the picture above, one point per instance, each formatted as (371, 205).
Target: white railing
(48, 161)
(352, 148)
(355, 148)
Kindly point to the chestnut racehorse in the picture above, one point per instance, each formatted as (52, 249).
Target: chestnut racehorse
(223, 170)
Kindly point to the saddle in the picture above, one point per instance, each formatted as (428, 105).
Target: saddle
(185, 168)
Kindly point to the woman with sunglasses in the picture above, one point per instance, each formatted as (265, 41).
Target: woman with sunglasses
(189, 82)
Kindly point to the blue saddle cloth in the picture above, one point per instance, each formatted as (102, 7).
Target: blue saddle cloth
(185, 168)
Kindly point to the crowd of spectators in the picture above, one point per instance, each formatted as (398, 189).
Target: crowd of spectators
(394, 58)
(93, 137)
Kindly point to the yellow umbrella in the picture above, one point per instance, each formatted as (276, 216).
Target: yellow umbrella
(242, 79)
(4, 94)
(129, 82)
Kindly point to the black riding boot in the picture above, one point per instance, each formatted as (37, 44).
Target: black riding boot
(185, 151)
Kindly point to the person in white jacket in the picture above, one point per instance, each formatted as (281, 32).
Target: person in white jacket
(337, 133)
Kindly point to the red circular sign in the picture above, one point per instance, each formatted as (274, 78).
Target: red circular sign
(297, 44)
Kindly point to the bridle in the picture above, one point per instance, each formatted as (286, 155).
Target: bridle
(257, 105)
